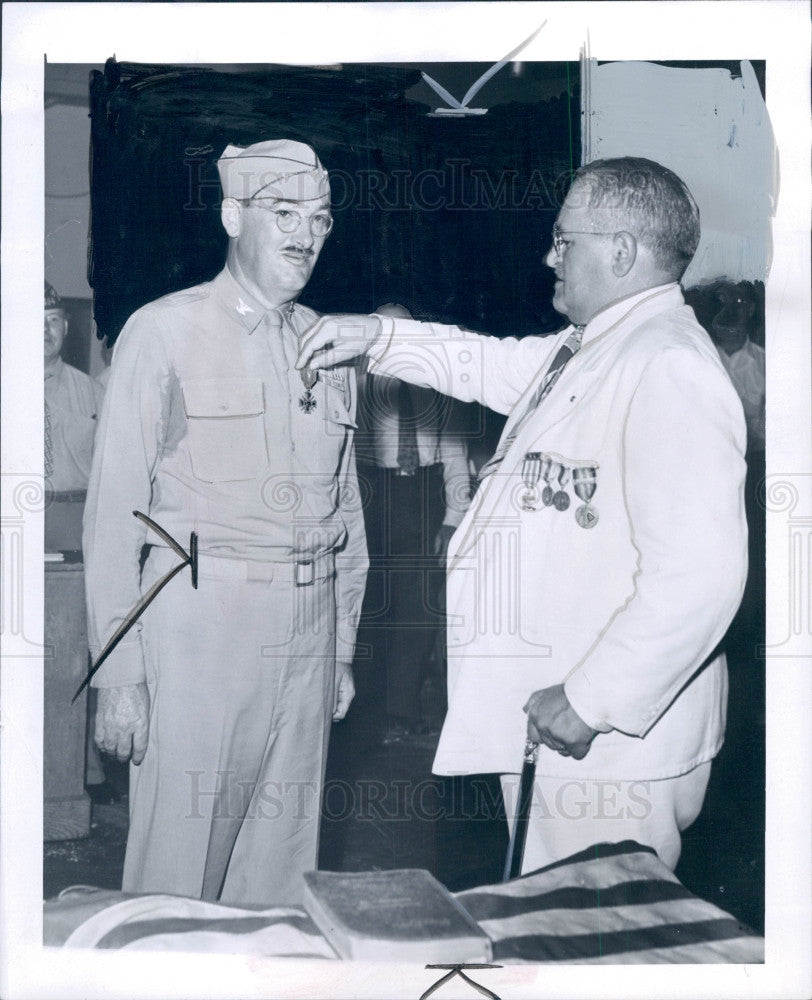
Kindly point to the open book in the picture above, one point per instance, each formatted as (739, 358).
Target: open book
(404, 915)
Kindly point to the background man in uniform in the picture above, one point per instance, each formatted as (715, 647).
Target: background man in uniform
(223, 695)
(72, 403)
(415, 462)
(604, 553)
(732, 312)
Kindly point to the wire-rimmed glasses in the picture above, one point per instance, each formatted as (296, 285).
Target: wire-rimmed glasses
(288, 220)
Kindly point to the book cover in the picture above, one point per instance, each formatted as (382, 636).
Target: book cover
(403, 915)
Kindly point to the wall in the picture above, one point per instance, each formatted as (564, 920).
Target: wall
(710, 128)
(67, 215)
(67, 199)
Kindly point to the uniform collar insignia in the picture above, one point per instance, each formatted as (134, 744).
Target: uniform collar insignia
(243, 309)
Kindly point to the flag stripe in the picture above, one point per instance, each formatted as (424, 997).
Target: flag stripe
(122, 935)
(596, 852)
(599, 920)
(572, 947)
(487, 906)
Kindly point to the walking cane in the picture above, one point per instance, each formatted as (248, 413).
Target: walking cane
(518, 836)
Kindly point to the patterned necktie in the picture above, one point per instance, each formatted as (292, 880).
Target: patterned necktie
(408, 455)
(570, 347)
(49, 444)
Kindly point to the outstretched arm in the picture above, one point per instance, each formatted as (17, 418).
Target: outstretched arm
(456, 362)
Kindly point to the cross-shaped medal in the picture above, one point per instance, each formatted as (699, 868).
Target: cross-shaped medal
(307, 402)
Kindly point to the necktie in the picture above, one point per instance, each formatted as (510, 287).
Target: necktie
(408, 455)
(49, 444)
(272, 329)
(570, 346)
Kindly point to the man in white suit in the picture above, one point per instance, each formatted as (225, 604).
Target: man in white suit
(604, 554)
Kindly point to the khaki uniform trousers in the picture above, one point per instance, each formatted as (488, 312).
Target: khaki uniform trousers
(226, 803)
(568, 815)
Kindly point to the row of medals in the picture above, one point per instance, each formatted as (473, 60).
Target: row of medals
(537, 466)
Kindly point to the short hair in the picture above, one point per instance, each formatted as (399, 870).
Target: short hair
(661, 210)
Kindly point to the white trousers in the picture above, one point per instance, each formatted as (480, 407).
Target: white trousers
(567, 815)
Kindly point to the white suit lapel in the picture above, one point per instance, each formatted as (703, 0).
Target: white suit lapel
(571, 388)
(562, 400)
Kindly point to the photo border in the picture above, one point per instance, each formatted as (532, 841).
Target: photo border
(777, 31)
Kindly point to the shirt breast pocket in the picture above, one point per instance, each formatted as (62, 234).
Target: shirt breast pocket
(337, 410)
(226, 432)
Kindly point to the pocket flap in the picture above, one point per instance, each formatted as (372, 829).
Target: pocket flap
(223, 398)
(337, 407)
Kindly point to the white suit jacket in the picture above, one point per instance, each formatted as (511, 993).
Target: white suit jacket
(626, 613)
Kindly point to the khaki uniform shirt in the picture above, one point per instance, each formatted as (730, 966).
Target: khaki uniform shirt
(72, 402)
(202, 429)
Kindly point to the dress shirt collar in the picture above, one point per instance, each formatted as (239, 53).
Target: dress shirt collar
(743, 358)
(665, 297)
(243, 306)
(54, 369)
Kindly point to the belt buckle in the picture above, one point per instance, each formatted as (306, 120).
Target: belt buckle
(305, 575)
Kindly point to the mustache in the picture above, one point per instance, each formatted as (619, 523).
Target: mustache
(304, 251)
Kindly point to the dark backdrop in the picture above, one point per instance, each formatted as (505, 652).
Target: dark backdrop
(451, 217)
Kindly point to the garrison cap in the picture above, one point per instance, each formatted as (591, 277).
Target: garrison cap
(277, 168)
(52, 299)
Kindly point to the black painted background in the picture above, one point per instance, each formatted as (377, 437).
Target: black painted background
(450, 217)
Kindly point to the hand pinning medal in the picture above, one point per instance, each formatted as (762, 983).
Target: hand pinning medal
(307, 401)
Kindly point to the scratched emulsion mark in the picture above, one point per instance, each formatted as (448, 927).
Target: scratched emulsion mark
(713, 130)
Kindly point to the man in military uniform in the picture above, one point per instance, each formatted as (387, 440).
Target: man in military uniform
(72, 402)
(604, 554)
(222, 696)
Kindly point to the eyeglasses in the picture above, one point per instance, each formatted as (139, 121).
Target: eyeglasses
(560, 244)
(289, 221)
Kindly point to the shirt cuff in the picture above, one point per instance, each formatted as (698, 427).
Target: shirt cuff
(125, 665)
(376, 351)
(583, 703)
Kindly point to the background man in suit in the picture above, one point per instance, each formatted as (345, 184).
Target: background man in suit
(604, 554)
(413, 455)
(223, 695)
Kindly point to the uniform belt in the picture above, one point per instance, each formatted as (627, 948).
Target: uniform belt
(65, 496)
(421, 470)
(301, 573)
